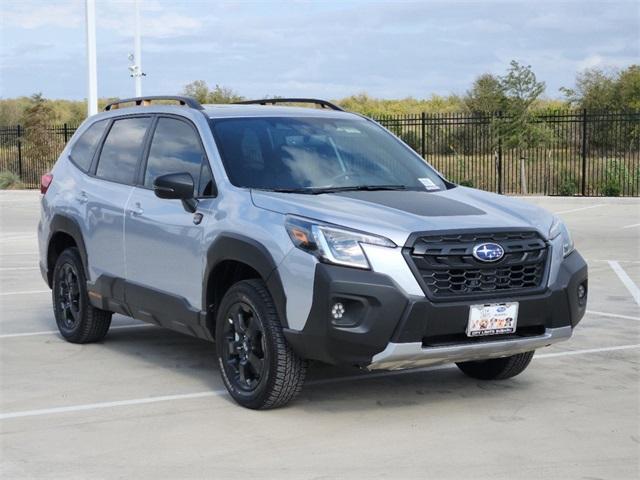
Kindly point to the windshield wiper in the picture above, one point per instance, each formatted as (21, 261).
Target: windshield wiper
(320, 190)
(307, 190)
(360, 188)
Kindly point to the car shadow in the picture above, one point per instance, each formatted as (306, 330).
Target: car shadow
(326, 388)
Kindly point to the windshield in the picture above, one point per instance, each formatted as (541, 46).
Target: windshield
(316, 154)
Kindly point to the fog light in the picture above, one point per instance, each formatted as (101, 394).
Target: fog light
(582, 291)
(337, 311)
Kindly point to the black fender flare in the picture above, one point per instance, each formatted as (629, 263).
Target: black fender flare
(240, 248)
(63, 224)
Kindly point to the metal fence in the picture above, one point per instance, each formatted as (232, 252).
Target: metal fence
(586, 153)
(29, 155)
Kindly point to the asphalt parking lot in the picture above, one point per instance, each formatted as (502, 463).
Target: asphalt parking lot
(149, 403)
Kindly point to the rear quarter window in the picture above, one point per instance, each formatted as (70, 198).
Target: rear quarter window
(85, 147)
(122, 150)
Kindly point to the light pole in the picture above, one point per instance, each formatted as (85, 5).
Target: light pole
(92, 74)
(136, 58)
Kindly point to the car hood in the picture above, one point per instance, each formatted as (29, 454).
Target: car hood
(397, 214)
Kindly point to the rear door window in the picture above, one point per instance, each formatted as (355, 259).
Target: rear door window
(84, 148)
(122, 150)
(176, 148)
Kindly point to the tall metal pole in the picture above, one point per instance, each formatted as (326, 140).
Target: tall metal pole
(92, 71)
(138, 51)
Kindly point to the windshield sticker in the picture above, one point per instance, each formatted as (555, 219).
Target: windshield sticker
(428, 184)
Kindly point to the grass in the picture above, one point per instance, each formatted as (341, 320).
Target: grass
(10, 181)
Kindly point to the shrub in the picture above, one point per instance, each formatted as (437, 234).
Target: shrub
(467, 183)
(568, 185)
(616, 175)
(10, 181)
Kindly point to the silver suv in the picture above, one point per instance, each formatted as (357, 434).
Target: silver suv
(287, 234)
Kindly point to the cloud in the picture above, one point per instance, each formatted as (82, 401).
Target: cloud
(332, 48)
(31, 15)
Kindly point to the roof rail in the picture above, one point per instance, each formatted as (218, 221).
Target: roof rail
(273, 101)
(144, 101)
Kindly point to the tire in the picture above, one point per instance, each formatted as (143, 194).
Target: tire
(497, 368)
(78, 320)
(258, 367)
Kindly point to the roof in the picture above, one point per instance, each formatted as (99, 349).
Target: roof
(235, 110)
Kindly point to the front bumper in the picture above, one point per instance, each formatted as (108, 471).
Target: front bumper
(404, 355)
(384, 328)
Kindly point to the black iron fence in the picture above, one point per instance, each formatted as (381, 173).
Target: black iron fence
(29, 154)
(584, 153)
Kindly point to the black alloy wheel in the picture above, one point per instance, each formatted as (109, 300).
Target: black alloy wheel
(67, 296)
(244, 348)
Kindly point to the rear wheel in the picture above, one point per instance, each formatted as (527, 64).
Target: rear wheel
(78, 320)
(497, 368)
(257, 365)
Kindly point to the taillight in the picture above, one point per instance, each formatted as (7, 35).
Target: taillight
(45, 181)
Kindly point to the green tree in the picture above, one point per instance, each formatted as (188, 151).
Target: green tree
(219, 94)
(198, 90)
(605, 90)
(594, 90)
(519, 128)
(628, 88)
(37, 119)
(486, 95)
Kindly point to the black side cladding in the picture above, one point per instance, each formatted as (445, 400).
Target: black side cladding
(60, 223)
(231, 246)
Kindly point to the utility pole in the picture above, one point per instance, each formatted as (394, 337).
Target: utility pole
(92, 71)
(136, 57)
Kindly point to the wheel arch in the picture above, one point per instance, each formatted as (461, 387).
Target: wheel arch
(231, 258)
(64, 233)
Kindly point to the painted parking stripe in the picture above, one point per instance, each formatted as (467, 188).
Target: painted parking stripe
(97, 406)
(612, 315)
(55, 332)
(217, 393)
(24, 292)
(580, 209)
(626, 280)
(9, 269)
(631, 226)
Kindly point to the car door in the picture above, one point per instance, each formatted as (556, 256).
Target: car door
(163, 240)
(105, 193)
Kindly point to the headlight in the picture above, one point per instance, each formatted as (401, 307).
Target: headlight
(559, 228)
(333, 244)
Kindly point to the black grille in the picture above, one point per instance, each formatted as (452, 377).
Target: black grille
(448, 269)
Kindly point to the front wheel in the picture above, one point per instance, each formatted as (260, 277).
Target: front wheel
(497, 368)
(258, 367)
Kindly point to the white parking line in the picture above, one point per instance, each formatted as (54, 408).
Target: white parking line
(580, 209)
(624, 278)
(589, 350)
(589, 260)
(96, 406)
(8, 269)
(631, 226)
(612, 315)
(23, 292)
(16, 238)
(216, 393)
(55, 332)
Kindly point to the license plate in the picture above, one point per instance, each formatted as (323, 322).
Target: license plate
(492, 319)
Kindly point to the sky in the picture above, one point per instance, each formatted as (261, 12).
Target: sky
(328, 49)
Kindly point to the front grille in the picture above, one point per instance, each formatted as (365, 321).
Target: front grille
(447, 268)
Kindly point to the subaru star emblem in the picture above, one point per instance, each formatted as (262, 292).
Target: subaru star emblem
(488, 252)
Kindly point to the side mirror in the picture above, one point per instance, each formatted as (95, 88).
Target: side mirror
(176, 186)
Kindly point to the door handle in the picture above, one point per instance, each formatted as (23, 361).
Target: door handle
(137, 210)
(82, 197)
